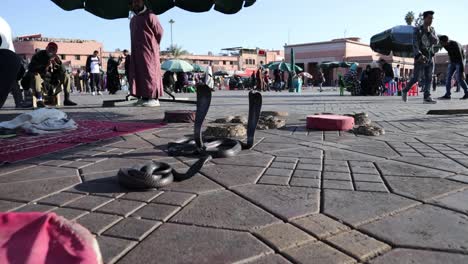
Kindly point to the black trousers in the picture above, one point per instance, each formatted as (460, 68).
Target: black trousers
(10, 65)
(95, 82)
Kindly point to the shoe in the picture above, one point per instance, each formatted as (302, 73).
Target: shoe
(139, 102)
(465, 97)
(40, 104)
(151, 103)
(404, 96)
(99, 93)
(445, 97)
(69, 102)
(429, 100)
(93, 93)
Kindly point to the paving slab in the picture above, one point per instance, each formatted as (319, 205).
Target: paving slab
(132, 228)
(6, 206)
(320, 225)
(285, 202)
(224, 209)
(298, 153)
(255, 160)
(370, 187)
(60, 199)
(173, 243)
(356, 208)
(391, 168)
(279, 172)
(97, 223)
(436, 163)
(367, 178)
(423, 188)
(174, 198)
(411, 256)
(160, 212)
(37, 173)
(89, 203)
(305, 182)
(145, 196)
(307, 174)
(198, 184)
(270, 259)
(35, 208)
(456, 201)
(317, 252)
(283, 165)
(112, 249)
(424, 226)
(268, 147)
(283, 236)
(359, 245)
(230, 176)
(70, 213)
(121, 207)
(274, 180)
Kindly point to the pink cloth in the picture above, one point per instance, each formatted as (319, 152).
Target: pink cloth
(330, 122)
(145, 66)
(31, 238)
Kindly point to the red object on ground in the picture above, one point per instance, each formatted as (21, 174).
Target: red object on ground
(32, 238)
(27, 146)
(414, 91)
(330, 122)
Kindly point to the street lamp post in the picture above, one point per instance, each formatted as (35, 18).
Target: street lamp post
(171, 22)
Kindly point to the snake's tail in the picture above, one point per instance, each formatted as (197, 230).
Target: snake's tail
(193, 170)
(255, 108)
(203, 105)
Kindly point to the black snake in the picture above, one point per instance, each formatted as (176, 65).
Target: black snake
(158, 174)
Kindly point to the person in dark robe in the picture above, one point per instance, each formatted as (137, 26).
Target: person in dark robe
(127, 65)
(10, 66)
(113, 81)
(145, 66)
(169, 81)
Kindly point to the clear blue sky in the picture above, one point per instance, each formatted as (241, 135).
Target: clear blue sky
(265, 25)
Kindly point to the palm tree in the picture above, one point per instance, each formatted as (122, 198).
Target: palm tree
(409, 18)
(177, 51)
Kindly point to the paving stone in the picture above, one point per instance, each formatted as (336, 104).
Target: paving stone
(176, 244)
(311, 161)
(33, 190)
(100, 176)
(424, 226)
(9, 168)
(305, 182)
(279, 172)
(411, 256)
(359, 245)
(337, 185)
(253, 160)
(367, 178)
(112, 164)
(146, 154)
(333, 154)
(341, 176)
(317, 252)
(307, 174)
(298, 153)
(142, 196)
(132, 228)
(89, 203)
(363, 170)
(6, 206)
(230, 176)
(338, 163)
(283, 165)
(356, 208)
(112, 249)
(270, 259)
(35, 208)
(436, 163)
(391, 168)
(197, 184)
(60, 199)
(268, 147)
(275, 180)
(334, 168)
(174, 198)
(121, 207)
(69, 213)
(283, 236)
(320, 225)
(37, 173)
(224, 210)
(456, 201)
(422, 188)
(97, 223)
(160, 212)
(286, 159)
(370, 187)
(285, 202)
(110, 189)
(312, 167)
(362, 164)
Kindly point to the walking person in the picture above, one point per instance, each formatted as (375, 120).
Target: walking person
(456, 66)
(93, 68)
(423, 46)
(79, 87)
(260, 79)
(277, 76)
(320, 79)
(113, 81)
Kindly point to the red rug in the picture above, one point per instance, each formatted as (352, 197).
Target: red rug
(27, 146)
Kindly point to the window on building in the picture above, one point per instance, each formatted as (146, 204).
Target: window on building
(224, 62)
(63, 57)
(231, 63)
(77, 57)
(253, 62)
(246, 61)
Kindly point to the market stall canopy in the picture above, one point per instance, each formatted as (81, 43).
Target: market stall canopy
(397, 41)
(113, 9)
(337, 64)
(177, 66)
(283, 66)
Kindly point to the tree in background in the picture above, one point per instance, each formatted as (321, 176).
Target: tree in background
(177, 51)
(409, 18)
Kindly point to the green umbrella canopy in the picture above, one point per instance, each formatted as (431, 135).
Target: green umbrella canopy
(337, 64)
(197, 68)
(283, 66)
(177, 66)
(113, 9)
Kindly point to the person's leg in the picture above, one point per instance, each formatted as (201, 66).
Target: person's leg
(415, 79)
(460, 80)
(66, 89)
(448, 79)
(427, 83)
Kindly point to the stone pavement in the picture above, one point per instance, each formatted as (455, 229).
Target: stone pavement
(297, 197)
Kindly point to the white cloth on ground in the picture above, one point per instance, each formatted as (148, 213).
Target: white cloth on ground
(41, 121)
